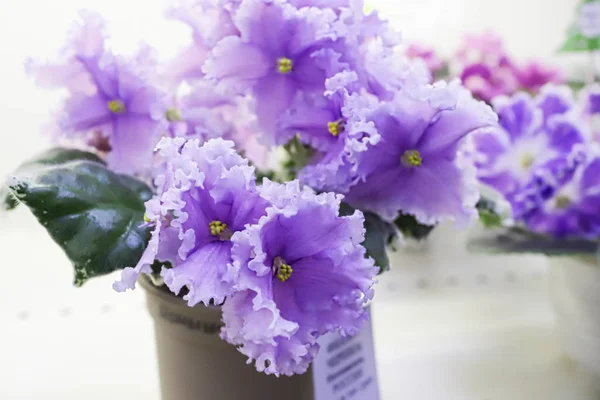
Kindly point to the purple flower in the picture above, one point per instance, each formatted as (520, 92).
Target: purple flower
(485, 67)
(205, 113)
(281, 52)
(563, 197)
(532, 132)
(201, 113)
(537, 74)
(302, 274)
(416, 167)
(110, 103)
(590, 104)
(554, 100)
(209, 21)
(207, 194)
(588, 20)
(487, 82)
(87, 41)
(383, 71)
(335, 129)
(592, 99)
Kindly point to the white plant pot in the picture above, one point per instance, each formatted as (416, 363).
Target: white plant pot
(195, 364)
(575, 293)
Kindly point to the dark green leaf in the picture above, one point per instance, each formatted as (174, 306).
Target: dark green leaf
(442, 73)
(378, 237)
(487, 214)
(60, 155)
(51, 157)
(515, 240)
(262, 174)
(95, 215)
(300, 155)
(411, 228)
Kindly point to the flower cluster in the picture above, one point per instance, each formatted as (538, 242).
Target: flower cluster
(544, 159)
(291, 268)
(323, 78)
(487, 69)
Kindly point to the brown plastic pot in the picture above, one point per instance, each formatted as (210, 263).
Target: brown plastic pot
(195, 364)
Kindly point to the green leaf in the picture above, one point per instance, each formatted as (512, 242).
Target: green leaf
(411, 228)
(262, 174)
(576, 42)
(378, 236)
(576, 86)
(50, 157)
(95, 215)
(519, 241)
(299, 157)
(488, 216)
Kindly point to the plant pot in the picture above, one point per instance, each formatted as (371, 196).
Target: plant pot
(575, 292)
(195, 364)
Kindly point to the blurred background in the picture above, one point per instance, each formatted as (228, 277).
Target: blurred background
(58, 342)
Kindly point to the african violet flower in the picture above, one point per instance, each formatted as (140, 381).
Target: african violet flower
(534, 75)
(200, 113)
(383, 71)
(592, 100)
(415, 168)
(207, 194)
(590, 109)
(110, 102)
(210, 21)
(532, 132)
(302, 274)
(563, 197)
(280, 52)
(486, 68)
(487, 82)
(324, 123)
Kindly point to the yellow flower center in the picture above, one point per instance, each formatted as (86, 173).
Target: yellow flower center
(217, 228)
(284, 65)
(146, 218)
(411, 158)
(562, 202)
(281, 269)
(116, 106)
(335, 127)
(527, 161)
(173, 115)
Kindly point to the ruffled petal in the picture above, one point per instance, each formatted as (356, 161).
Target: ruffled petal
(236, 65)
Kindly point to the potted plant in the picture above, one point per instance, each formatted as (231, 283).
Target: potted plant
(166, 177)
(543, 161)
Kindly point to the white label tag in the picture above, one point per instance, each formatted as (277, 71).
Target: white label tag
(345, 367)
